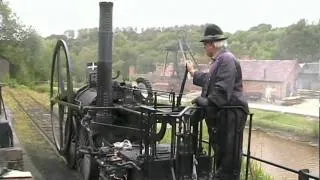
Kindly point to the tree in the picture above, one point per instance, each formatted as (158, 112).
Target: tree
(301, 42)
(20, 44)
(70, 34)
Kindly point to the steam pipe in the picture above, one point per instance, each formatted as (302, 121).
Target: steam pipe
(104, 72)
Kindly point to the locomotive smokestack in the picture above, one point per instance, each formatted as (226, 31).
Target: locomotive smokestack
(104, 81)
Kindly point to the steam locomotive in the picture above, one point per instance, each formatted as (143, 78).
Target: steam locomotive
(110, 129)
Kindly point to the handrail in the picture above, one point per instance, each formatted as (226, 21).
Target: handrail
(281, 167)
(303, 174)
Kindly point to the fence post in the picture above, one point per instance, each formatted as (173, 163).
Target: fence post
(1, 84)
(1, 102)
(0, 98)
(303, 174)
(249, 146)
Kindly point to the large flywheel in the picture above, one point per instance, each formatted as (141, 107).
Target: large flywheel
(61, 92)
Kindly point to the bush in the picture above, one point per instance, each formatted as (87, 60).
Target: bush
(44, 88)
(11, 82)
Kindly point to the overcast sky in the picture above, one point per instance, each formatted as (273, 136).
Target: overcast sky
(56, 16)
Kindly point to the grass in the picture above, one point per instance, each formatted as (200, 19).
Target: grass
(41, 97)
(294, 124)
(41, 88)
(256, 172)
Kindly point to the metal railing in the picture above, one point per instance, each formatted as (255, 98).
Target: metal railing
(302, 174)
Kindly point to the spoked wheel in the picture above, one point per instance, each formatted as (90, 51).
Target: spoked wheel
(61, 90)
(145, 87)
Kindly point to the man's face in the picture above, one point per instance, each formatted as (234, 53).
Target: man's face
(209, 47)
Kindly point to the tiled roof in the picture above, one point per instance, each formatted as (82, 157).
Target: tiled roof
(268, 70)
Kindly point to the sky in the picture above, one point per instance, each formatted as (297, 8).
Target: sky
(55, 16)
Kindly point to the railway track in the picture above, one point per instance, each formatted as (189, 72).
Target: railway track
(37, 113)
(49, 163)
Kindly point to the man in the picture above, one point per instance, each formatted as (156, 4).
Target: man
(221, 88)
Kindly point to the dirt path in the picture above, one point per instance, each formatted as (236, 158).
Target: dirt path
(310, 107)
(307, 109)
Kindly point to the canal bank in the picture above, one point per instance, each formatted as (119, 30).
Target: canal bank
(292, 154)
(287, 126)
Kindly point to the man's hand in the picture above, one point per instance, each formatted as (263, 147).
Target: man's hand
(190, 67)
(200, 101)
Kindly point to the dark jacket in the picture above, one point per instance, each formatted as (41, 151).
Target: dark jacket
(222, 85)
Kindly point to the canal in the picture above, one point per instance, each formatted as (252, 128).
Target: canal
(286, 152)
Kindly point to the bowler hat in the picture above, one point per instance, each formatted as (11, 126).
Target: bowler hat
(213, 33)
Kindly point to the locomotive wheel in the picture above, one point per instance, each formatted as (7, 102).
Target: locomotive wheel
(146, 93)
(61, 89)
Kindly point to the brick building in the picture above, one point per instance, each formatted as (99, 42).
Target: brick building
(258, 75)
(309, 76)
(281, 75)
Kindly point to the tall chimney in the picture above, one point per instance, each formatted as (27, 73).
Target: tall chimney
(104, 73)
